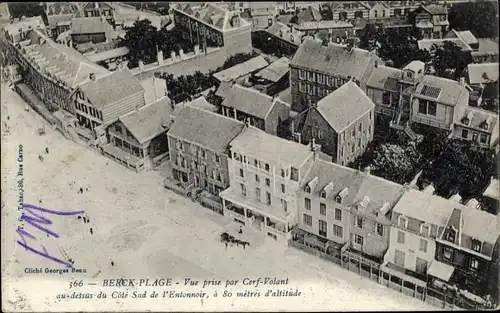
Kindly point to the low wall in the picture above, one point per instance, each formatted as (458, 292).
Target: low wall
(187, 66)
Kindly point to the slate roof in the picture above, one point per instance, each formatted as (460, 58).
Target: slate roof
(451, 91)
(384, 77)
(264, 146)
(344, 106)
(276, 70)
(482, 73)
(478, 117)
(358, 184)
(224, 89)
(109, 54)
(209, 13)
(89, 25)
(436, 9)
(334, 59)
(209, 130)
(249, 101)
(468, 37)
(487, 46)
(286, 34)
(310, 14)
(324, 25)
(111, 88)
(150, 120)
(241, 69)
(55, 20)
(426, 44)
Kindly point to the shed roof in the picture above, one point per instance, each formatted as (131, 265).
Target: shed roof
(249, 101)
(276, 70)
(241, 69)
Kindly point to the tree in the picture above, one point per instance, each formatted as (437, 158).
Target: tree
(141, 40)
(26, 9)
(480, 17)
(396, 163)
(236, 59)
(461, 168)
(448, 60)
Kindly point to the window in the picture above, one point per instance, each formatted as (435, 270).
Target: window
(427, 107)
(302, 87)
(322, 194)
(360, 127)
(268, 182)
(476, 245)
(320, 134)
(322, 209)
(307, 203)
(474, 264)
(256, 163)
(284, 204)
(267, 167)
(338, 199)
(204, 154)
(283, 189)
(321, 79)
(376, 14)
(338, 214)
(447, 253)
(399, 258)
(380, 229)
(465, 133)
(243, 190)
(423, 245)
(353, 133)
(359, 143)
(268, 198)
(323, 226)
(257, 178)
(217, 159)
(431, 108)
(241, 173)
(310, 76)
(308, 189)
(294, 174)
(451, 235)
(308, 220)
(338, 231)
(386, 97)
(282, 173)
(302, 74)
(401, 237)
(358, 220)
(483, 138)
(474, 136)
(402, 222)
(358, 239)
(422, 107)
(352, 148)
(257, 194)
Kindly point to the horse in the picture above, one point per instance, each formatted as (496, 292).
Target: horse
(40, 158)
(224, 237)
(245, 243)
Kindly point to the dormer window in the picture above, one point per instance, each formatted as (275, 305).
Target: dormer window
(476, 245)
(291, 38)
(403, 222)
(281, 33)
(425, 230)
(409, 74)
(307, 189)
(465, 121)
(451, 235)
(338, 199)
(322, 194)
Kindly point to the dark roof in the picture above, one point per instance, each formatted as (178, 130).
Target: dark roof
(150, 120)
(209, 130)
(334, 59)
(344, 106)
(276, 70)
(111, 88)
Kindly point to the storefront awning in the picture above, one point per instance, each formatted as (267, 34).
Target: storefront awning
(440, 270)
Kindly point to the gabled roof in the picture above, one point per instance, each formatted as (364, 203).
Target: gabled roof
(276, 70)
(360, 186)
(344, 106)
(286, 33)
(436, 9)
(150, 120)
(26, 24)
(487, 46)
(264, 146)
(449, 91)
(476, 118)
(111, 88)
(384, 77)
(209, 130)
(482, 73)
(426, 44)
(60, 8)
(109, 54)
(89, 25)
(249, 101)
(467, 36)
(334, 59)
(241, 69)
(324, 25)
(310, 14)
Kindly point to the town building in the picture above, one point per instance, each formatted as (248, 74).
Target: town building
(441, 239)
(265, 173)
(91, 29)
(112, 59)
(491, 196)
(483, 79)
(242, 71)
(336, 31)
(138, 139)
(98, 9)
(50, 70)
(280, 38)
(198, 144)
(258, 109)
(317, 69)
(101, 100)
(59, 16)
(349, 10)
(307, 15)
(274, 78)
(476, 125)
(341, 206)
(262, 14)
(432, 20)
(209, 25)
(342, 123)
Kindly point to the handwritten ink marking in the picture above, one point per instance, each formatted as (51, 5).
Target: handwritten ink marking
(20, 178)
(35, 220)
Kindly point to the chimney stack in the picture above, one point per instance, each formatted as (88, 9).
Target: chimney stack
(367, 170)
(92, 76)
(159, 57)
(141, 65)
(462, 81)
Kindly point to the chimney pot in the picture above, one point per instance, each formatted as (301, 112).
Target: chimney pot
(92, 76)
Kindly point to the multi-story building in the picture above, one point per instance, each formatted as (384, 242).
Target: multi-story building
(91, 29)
(198, 144)
(337, 30)
(101, 100)
(281, 38)
(317, 69)
(349, 10)
(98, 9)
(209, 25)
(432, 20)
(138, 139)
(469, 243)
(345, 206)
(260, 110)
(51, 70)
(274, 78)
(263, 14)
(265, 173)
(476, 125)
(242, 71)
(342, 123)
(483, 79)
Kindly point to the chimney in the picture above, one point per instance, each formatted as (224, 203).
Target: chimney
(92, 76)
(141, 65)
(429, 189)
(315, 148)
(367, 170)
(172, 55)
(181, 54)
(159, 57)
(197, 49)
(462, 81)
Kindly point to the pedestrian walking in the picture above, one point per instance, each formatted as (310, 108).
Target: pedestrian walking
(112, 263)
(91, 232)
(226, 244)
(47, 150)
(84, 219)
(240, 231)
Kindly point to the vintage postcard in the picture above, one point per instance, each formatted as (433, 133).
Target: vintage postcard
(249, 156)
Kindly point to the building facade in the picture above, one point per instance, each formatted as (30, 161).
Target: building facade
(477, 126)
(432, 21)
